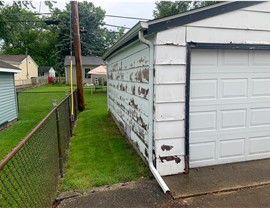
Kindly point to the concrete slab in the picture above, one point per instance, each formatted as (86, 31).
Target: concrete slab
(214, 179)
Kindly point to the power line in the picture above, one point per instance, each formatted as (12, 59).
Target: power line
(118, 26)
(124, 17)
(58, 21)
(106, 15)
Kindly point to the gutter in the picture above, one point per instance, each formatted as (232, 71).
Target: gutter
(154, 171)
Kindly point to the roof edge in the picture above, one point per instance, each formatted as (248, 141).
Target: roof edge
(157, 25)
(132, 33)
(10, 70)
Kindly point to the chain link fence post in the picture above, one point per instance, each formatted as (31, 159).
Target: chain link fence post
(61, 161)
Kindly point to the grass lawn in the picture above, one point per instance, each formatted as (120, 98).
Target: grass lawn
(99, 154)
(32, 108)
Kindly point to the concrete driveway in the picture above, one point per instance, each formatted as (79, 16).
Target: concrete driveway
(233, 185)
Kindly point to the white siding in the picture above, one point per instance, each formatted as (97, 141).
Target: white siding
(128, 93)
(170, 78)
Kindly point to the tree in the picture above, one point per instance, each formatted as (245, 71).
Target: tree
(22, 30)
(95, 39)
(167, 8)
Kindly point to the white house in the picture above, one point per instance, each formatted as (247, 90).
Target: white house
(193, 89)
(47, 71)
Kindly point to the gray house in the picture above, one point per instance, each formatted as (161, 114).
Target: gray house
(88, 63)
(8, 99)
(193, 90)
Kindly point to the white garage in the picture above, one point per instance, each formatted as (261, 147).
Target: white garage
(193, 89)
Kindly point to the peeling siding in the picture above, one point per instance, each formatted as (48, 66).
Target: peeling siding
(170, 78)
(128, 80)
(128, 93)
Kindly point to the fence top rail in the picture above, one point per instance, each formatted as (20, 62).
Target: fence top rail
(11, 154)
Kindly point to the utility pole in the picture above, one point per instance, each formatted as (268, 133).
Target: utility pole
(27, 72)
(77, 50)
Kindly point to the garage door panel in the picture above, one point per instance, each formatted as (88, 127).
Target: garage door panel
(232, 148)
(260, 58)
(203, 89)
(229, 107)
(259, 145)
(202, 152)
(260, 117)
(234, 58)
(234, 88)
(203, 121)
(233, 119)
(260, 87)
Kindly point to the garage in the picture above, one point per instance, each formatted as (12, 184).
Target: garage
(193, 90)
(229, 106)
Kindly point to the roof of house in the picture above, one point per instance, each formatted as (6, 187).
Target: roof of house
(44, 69)
(12, 58)
(5, 67)
(86, 60)
(157, 25)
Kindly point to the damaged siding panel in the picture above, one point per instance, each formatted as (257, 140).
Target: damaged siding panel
(169, 165)
(136, 103)
(175, 36)
(169, 129)
(170, 54)
(133, 89)
(170, 93)
(169, 111)
(170, 78)
(128, 93)
(220, 35)
(138, 74)
(170, 74)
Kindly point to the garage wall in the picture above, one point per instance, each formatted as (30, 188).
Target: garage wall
(170, 69)
(128, 93)
(245, 26)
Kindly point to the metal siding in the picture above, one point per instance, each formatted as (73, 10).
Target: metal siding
(8, 104)
(170, 55)
(128, 76)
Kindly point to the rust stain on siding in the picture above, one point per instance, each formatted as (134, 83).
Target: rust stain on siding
(166, 147)
(133, 104)
(133, 90)
(170, 158)
(145, 73)
(143, 91)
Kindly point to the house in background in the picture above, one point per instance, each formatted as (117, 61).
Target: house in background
(8, 98)
(88, 63)
(98, 75)
(195, 86)
(47, 71)
(29, 68)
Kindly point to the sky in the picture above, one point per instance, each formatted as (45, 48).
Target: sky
(141, 9)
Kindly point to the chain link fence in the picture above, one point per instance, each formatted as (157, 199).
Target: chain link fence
(29, 173)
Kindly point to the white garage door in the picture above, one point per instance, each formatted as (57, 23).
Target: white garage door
(229, 106)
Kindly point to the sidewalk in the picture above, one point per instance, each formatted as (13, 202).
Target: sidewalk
(148, 194)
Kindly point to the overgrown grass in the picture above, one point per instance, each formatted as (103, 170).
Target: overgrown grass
(99, 154)
(33, 107)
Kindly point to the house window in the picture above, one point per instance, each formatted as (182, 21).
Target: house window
(87, 76)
